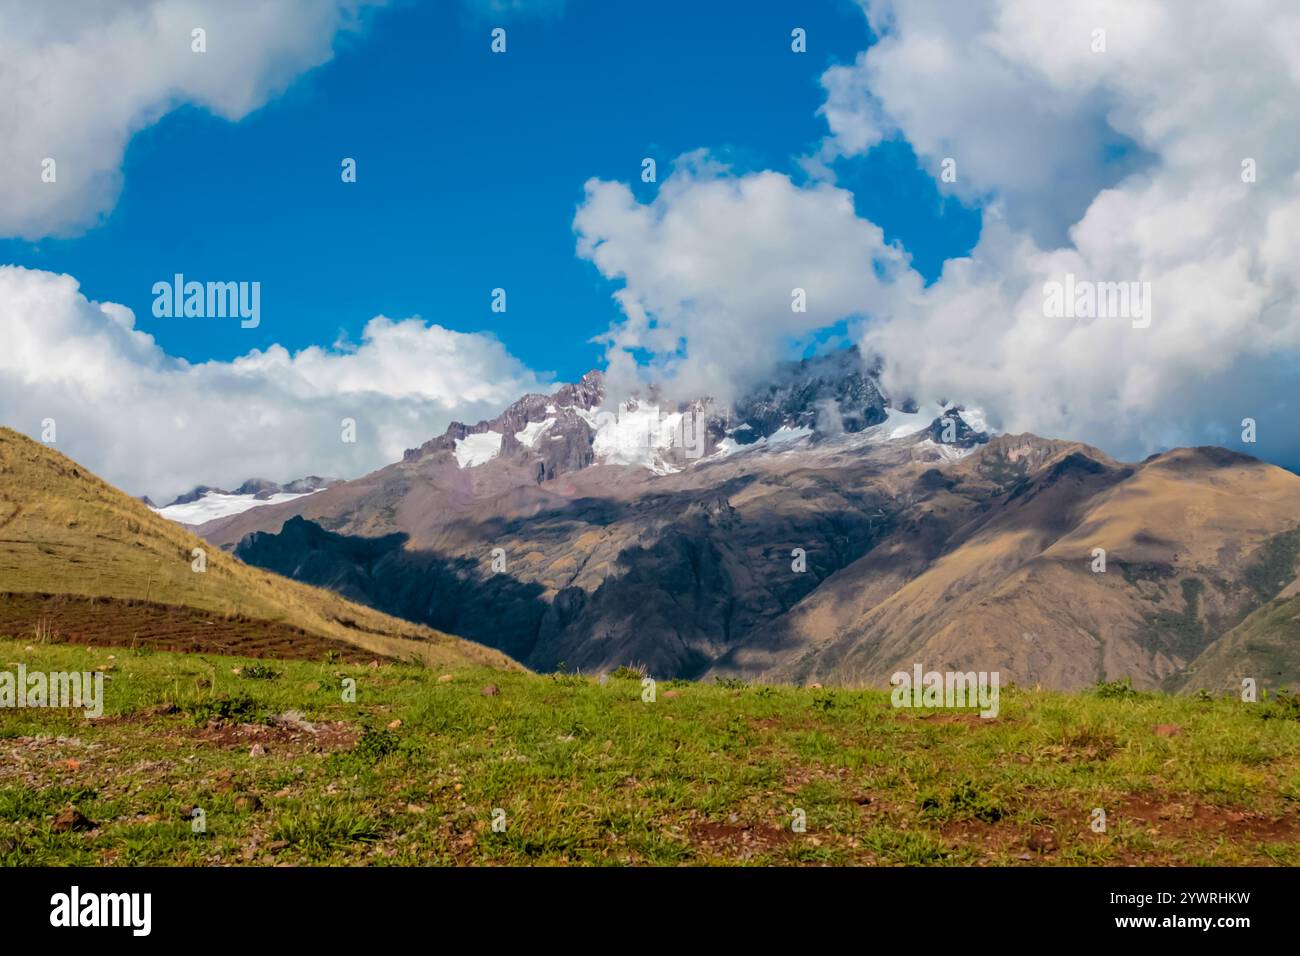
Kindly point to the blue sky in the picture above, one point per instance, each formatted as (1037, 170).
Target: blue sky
(470, 168)
(816, 171)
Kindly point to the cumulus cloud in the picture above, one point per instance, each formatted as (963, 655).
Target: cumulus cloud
(1197, 97)
(940, 76)
(710, 266)
(153, 424)
(1122, 164)
(80, 77)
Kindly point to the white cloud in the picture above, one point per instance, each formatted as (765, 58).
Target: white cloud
(153, 424)
(709, 267)
(80, 77)
(941, 76)
(1013, 90)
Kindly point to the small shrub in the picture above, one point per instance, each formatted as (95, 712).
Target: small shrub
(374, 745)
(1283, 706)
(259, 672)
(1116, 689)
(240, 708)
(318, 830)
(963, 802)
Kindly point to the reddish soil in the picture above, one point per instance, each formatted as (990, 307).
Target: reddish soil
(231, 736)
(730, 836)
(104, 622)
(1169, 816)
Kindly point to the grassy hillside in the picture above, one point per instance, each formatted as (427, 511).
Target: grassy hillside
(1196, 539)
(67, 537)
(285, 771)
(1263, 647)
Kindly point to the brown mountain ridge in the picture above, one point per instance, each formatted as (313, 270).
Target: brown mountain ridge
(836, 558)
(83, 562)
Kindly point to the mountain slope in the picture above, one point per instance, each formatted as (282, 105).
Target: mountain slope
(607, 563)
(1263, 646)
(1014, 589)
(79, 556)
(820, 533)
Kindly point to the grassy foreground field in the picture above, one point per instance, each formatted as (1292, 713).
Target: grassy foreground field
(284, 771)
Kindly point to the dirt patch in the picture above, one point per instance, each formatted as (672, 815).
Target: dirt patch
(1186, 819)
(1028, 844)
(229, 736)
(730, 837)
(105, 622)
(971, 719)
(1166, 817)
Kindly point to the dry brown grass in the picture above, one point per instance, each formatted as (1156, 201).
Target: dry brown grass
(1017, 594)
(65, 531)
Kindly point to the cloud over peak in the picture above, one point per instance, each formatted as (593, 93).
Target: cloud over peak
(1148, 143)
(720, 272)
(1204, 103)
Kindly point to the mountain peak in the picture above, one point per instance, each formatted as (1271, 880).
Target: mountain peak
(820, 397)
(1202, 456)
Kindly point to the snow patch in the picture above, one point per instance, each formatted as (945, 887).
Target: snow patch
(477, 449)
(213, 505)
(529, 434)
(782, 436)
(787, 434)
(646, 436)
(945, 451)
(728, 446)
(901, 424)
(636, 436)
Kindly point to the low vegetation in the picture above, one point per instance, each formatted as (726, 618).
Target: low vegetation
(207, 760)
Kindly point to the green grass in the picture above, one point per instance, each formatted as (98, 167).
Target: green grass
(417, 768)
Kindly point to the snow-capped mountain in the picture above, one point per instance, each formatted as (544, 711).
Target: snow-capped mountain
(810, 407)
(813, 400)
(205, 503)
(816, 530)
